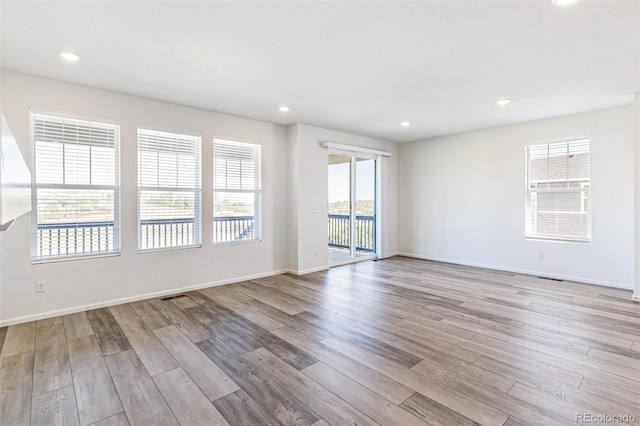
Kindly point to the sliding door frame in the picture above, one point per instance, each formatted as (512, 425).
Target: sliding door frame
(354, 155)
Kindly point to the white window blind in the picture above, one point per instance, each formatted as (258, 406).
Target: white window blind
(76, 191)
(558, 183)
(237, 191)
(169, 190)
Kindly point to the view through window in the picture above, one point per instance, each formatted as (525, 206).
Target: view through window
(76, 187)
(169, 191)
(237, 191)
(558, 190)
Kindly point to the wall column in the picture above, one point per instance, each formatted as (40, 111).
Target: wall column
(636, 167)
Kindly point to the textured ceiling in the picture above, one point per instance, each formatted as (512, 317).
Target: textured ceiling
(360, 67)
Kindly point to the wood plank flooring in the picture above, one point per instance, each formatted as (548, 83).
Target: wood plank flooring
(395, 342)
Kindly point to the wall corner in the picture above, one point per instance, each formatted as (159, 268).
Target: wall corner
(636, 167)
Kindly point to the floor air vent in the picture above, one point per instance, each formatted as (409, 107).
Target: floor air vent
(551, 279)
(177, 296)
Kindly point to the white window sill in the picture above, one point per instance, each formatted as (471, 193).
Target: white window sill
(161, 249)
(233, 243)
(70, 258)
(558, 240)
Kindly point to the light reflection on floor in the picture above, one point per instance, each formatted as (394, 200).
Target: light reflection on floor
(337, 255)
(347, 288)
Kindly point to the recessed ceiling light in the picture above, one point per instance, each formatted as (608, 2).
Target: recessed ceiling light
(503, 102)
(284, 108)
(69, 56)
(563, 2)
(405, 124)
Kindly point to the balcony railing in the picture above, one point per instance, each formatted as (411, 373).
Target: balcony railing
(68, 239)
(365, 232)
(159, 233)
(233, 228)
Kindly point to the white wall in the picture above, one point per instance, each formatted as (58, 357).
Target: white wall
(462, 199)
(292, 208)
(636, 233)
(1, 297)
(310, 180)
(73, 284)
(294, 182)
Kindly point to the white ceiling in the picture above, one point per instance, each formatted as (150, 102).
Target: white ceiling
(360, 67)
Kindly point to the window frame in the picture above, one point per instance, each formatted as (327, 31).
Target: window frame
(581, 190)
(116, 187)
(197, 191)
(258, 201)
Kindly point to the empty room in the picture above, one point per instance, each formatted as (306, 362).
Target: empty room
(320, 213)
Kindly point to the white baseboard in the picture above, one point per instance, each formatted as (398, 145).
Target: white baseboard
(112, 302)
(518, 271)
(353, 260)
(307, 271)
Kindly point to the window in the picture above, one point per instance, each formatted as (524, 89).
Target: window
(558, 181)
(76, 192)
(169, 190)
(237, 194)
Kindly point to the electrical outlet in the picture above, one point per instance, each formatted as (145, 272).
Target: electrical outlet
(540, 255)
(41, 286)
(275, 254)
(315, 251)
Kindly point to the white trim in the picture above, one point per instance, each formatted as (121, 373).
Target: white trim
(558, 239)
(75, 116)
(379, 215)
(307, 271)
(169, 248)
(227, 138)
(352, 260)
(163, 129)
(235, 242)
(556, 140)
(113, 302)
(81, 308)
(518, 271)
(352, 206)
(54, 259)
(351, 148)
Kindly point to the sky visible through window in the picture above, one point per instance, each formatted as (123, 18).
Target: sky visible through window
(339, 181)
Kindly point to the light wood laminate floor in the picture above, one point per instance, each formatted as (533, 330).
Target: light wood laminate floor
(394, 342)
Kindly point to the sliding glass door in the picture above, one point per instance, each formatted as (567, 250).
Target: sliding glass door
(352, 207)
